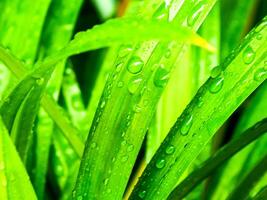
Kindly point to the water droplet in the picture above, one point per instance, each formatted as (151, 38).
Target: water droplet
(260, 74)
(79, 198)
(120, 84)
(102, 105)
(135, 65)
(199, 101)
(186, 125)
(161, 77)
(93, 145)
(170, 149)
(40, 81)
(195, 13)
(142, 194)
(160, 163)
(130, 148)
(248, 55)
(168, 53)
(162, 13)
(216, 85)
(134, 85)
(215, 72)
(106, 181)
(137, 109)
(119, 66)
(124, 158)
(259, 36)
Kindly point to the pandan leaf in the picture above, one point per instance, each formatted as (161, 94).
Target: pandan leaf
(216, 100)
(132, 91)
(217, 159)
(20, 107)
(242, 190)
(50, 106)
(261, 194)
(15, 183)
(56, 34)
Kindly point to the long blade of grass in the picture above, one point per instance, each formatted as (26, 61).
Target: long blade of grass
(218, 98)
(19, 112)
(14, 33)
(242, 190)
(241, 163)
(15, 183)
(125, 110)
(57, 32)
(262, 194)
(51, 107)
(217, 159)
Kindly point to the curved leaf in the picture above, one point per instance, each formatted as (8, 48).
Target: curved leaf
(15, 184)
(217, 159)
(216, 100)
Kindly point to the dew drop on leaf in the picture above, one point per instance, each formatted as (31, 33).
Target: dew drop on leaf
(106, 181)
(170, 149)
(120, 84)
(260, 74)
(248, 55)
(130, 148)
(160, 163)
(40, 81)
(168, 53)
(161, 77)
(215, 72)
(186, 125)
(93, 145)
(124, 158)
(216, 85)
(135, 65)
(142, 194)
(134, 85)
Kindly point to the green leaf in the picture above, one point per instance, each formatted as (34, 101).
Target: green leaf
(50, 106)
(216, 100)
(126, 107)
(56, 34)
(261, 194)
(20, 108)
(242, 190)
(240, 164)
(14, 179)
(217, 159)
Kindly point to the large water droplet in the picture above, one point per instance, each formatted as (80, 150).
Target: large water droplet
(106, 181)
(161, 77)
(134, 85)
(170, 149)
(195, 13)
(186, 125)
(248, 55)
(160, 163)
(215, 72)
(260, 74)
(216, 85)
(135, 65)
